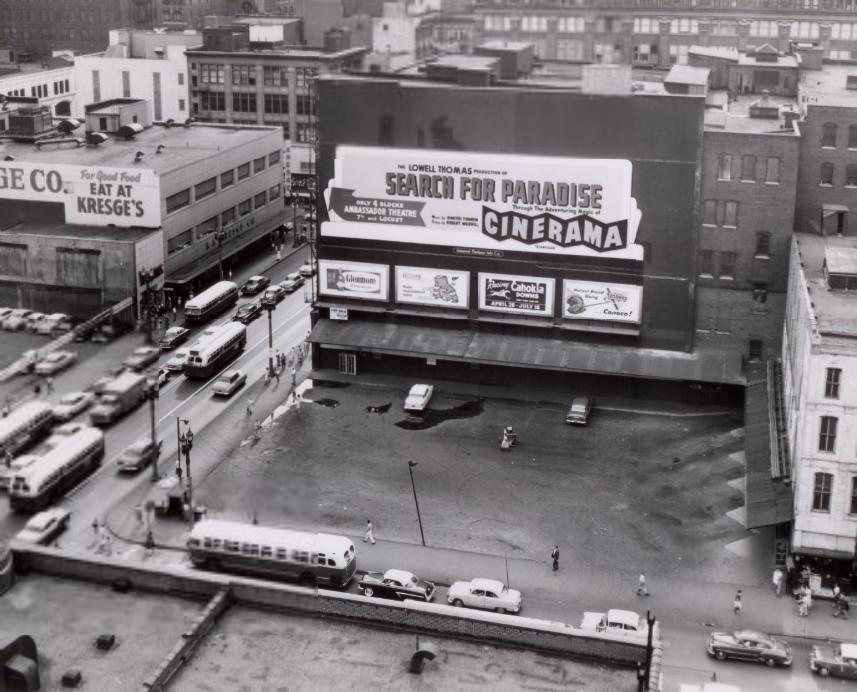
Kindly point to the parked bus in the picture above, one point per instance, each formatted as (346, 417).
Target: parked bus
(55, 473)
(26, 424)
(311, 558)
(211, 302)
(216, 350)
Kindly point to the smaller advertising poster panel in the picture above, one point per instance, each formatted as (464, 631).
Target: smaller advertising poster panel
(522, 295)
(440, 287)
(594, 300)
(354, 280)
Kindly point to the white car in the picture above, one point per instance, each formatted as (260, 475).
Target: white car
(54, 362)
(229, 382)
(16, 320)
(73, 403)
(50, 322)
(163, 377)
(306, 270)
(5, 312)
(45, 526)
(614, 620)
(33, 320)
(176, 363)
(486, 594)
(418, 398)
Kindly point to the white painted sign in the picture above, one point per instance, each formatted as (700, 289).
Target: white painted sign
(523, 295)
(338, 313)
(594, 300)
(354, 280)
(438, 287)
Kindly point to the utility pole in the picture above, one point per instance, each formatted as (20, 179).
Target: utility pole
(270, 310)
(411, 465)
(152, 395)
(220, 236)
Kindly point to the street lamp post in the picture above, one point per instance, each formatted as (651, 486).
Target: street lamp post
(152, 395)
(220, 236)
(186, 442)
(411, 465)
(270, 310)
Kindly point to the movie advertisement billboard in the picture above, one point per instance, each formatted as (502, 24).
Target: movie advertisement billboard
(594, 300)
(354, 280)
(439, 287)
(522, 295)
(507, 203)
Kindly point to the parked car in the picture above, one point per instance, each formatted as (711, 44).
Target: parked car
(54, 362)
(173, 337)
(138, 455)
(255, 284)
(64, 325)
(16, 320)
(141, 357)
(73, 403)
(307, 270)
(5, 312)
(33, 320)
(273, 295)
(749, 645)
(580, 410)
(487, 594)
(418, 398)
(45, 526)
(838, 660)
(162, 377)
(292, 282)
(176, 362)
(50, 322)
(247, 313)
(396, 584)
(229, 382)
(614, 620)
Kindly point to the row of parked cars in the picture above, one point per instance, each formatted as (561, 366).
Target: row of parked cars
(21, 319)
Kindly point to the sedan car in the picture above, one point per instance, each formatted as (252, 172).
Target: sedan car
(580, 410)
(396, 584)
(247, 313)
(749, 645)
(418, 398)
(33, 320)
(176, 363)
(255, 284)
(273, 295)
(229, 382)
(138, 455)
(838, 660)
(141, 358)
(16, 320)
(487, 594)
(50, 322)
(173, 337)
(54, 362)
(45, 526)
(306, 270)
(292, 282)
(73, 403)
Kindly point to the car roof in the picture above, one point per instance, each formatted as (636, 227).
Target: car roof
(230, 373)
(487, 584)
(399, 575)
(752, 634)
(256, 278)
(848, 650)
(580, 401)
(138, 445)
(625, 617)
(419, 388)
(175, 330)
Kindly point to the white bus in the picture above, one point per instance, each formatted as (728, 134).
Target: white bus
(26, 424)
(47, 479)
(311, 558)
(216, 351)
(58, 437)
(211, 302)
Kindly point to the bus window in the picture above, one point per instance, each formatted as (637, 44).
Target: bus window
(265, 551)
(331, 562)
(282, 554)
(206, 543)
(232, 546)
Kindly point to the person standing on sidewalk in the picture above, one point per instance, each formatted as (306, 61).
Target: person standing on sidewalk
(737, 606)
(778, 580)
(370, 532)
(555, 558)
(642, 589)
(294, 376)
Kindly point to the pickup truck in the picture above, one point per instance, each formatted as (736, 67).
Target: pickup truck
(119, 396)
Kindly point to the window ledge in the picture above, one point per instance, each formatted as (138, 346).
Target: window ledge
(772, 182)
(747, 181)
(762, 257)
(706, 276)
(726, 278)
(731, 227)
(825, 184)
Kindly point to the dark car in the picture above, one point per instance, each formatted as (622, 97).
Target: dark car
(749, 645)
(255, 284)
(173, 337)
(273, 295)
(839, 660)
(396, 584)
(247, 313)
(138, 455)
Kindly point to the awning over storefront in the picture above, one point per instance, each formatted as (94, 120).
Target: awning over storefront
(824, 552)
(831, 209)
(470, 345)
(769, 500)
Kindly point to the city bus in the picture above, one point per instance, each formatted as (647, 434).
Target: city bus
(212, 354)
(310, 558)
(23, 426)
(53, 474)
(211, 302)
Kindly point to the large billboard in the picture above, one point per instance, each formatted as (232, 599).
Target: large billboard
(551, 205)
(595, 300)
(521, 295)
(354, 280)
(92, 195)
(438, 287)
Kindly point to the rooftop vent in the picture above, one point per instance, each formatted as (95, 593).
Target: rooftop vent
(68, 125)
(765, 108)
(130, 130)
(95, 138)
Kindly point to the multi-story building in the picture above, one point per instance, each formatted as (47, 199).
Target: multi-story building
(144, 65)
(819, 369)
(53, 86)
(185, 14)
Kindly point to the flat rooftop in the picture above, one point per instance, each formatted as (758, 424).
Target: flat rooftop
(735, 117)
(827, 87)
(297, 53)
(835, 311)
(182, 146)
(61, 230)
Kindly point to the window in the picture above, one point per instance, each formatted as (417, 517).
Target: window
(126, 84)
(826, 177)
(274, 76)
(227, 217)
(213, 101)
(244, 74)
(274, 193)
(260, 200)
(181, 78)
(678, 55)
(851, 175)
(258, 164)
(821, 492)
(211, 74)
(763, 245)
(853, 509)
(772, 171)
(276, 103)
(244, 103)
(831, 383)
(178, 242)
(244, 171)
(305, 105)
(181, 104)
(178, 201)
(709, 214)
(206, 227)
(244, 208)
(852, 136)
(827, 434)
(724, 167)
(730, 216)
(706, 263)
(226, 179)
(205, 188)
(727, 265)
(273, 157)
(760, 297)
(748, 169)
(828, 135)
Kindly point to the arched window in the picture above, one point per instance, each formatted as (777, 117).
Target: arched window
(826, 174)
(828, 135)
(852, 136)
(63, 108)
(763, 244)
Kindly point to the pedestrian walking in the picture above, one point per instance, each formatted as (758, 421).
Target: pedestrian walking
(294, 376)
(7, 458)
(802, 608)
(277, 376)
(737, 607)
(836, 591)
(370, 532)
(95, 526)
(150, 543)
(267, 377)
(49, 385)
(6, 408)
(555, 558)
(250, 407)
(37, 389)
(642, 589)
(807, 595)
(778, 580)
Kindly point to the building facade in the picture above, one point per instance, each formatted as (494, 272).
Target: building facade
(55, 88)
